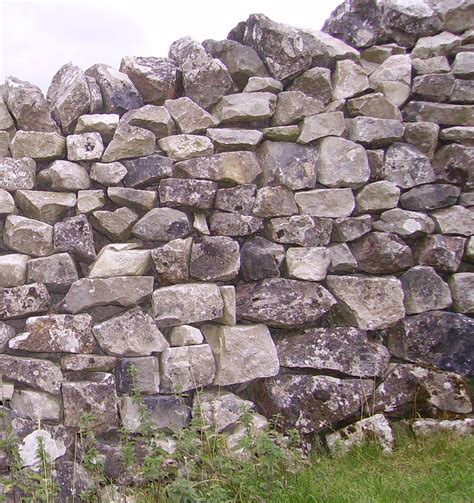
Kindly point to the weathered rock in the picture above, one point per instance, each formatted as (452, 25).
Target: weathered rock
(13, 269)
(234, 139)
(38, 145)
(454, 220)
(30, 445)
(28, 236)
(74, 235)
(139, 200)
(185, 368)
(57, 271)
(7, 203)
(404, 223)
(72, 480)
(188, 303)
(118, 93)
(124, 291)
(91, 363)
(48, 207)
(128, 142)
(351, 228)
(281, 133)
(303, 230)
(162, 224)
(185, 146)
(349, 79)
(423, 427)
(98, 398)
(424, 135)
(177, 193)
(138, 375)
(32, 372)
(341, 258)
(304, 401)
(282, 303)
(433, 87)
(373, 105)
(108, 174)
(444, 253)
(435, 338)
(443, 114)
(333, 203)
(459, 134)
(238, 199)
(293, 106)
(369, 303)
(215, 258)
(438, 45)
(6, 120)
(147, 170)
(315, 82)
(462, 290)
(156, 79)
(274, 202)
(116, 225)
(377, 196)
(424, 290)
(321, 125)
(462, 65)
(434, 65)
(429, 197)
(120, 260)
(17, 174)
(155, 119)
(185, 335)
(453, 164)
(261, 259)
(36, 405)
(309, 264)
(244, 108)
(172, 261)
(234, 224)
(65, 176)
(84, 147)
(375, 133)
(104, 124)
(393, 79)
(190, 118)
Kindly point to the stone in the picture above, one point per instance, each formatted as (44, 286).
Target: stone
(189, 117)
(153, 118)
(369, 303)
(28, 106)
(423, 135)
(341, 258)
(434, 65)
(334, 203)
(303, 400)
(404, 223)
(147, 170)
(429, 427)
(424, 290)
(282, 133)
(454, 220)
(90, 363)
(321, 125)
(177, 193)
(244, 108)
(215, 258)
(462, 290)
(118, 92)
(282, 303)
(205, 79)
(453, 164)
(308, 264)
(38, 145)
(187, 303)
(116, 225)
(393, 79)
(381, 253)
(429, 197)
(350, 228)
(443, 114)
(48, 207)
(73, 481)
(260, 259)
(315, 82)
(7, 203)
(74, 235)
(463, 65)
(234, 139)
(438, 45)
(444, 253)
(57, 271)
(104, 124)
(229, 315)
(162, 224)
(274, 202)
(238, 199)
(17, 174)
(303, 230)
(108, 174)
(138, 375)
(185, 335)
(375, 133)
(377, 196)
(237, 167)
(125, 291)
(187, 367)
(373, 105)
(65, 176)
(28, 236)
(263, 84)
(242, 62)
(28, 449)
(98, 398)
(234, 224)
(342, 163)
(6, 120)
(372, 428)
(32, 372)
(138, 200)
(95, 95)
(156, 79)
(84, 147)
(459, 134)
(13, 269)
(288, 164)
(433, 87)
(349, 79)
(6, 391)
(120, 260)
(293, 106)
(171, 261)
(128, 142)
(436, 338)
(185, 146)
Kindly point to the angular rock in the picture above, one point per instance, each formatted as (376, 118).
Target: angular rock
(315, 82)
(89, 201)
(7, 203)
(309, 264)
(234, 139)
(393, 79)
(274, 202)
(281, 133)
(349, 229)
(321, 125)
(454, 220)
(120, 260)
(138, 375)
(177, 193)
(138, 200)
(190, 118)
(373, 105)
(128, 142)
(349, 79)
(436, 64)
(263, 84)
(342, 259)
(429, 197)
(423, 427)
(433, 87)
(239, 199)
(185, 146)
(453, 164)
(435, 338)
(118, 93)
(444, 253)
(104, 124)
(462, 290)
(108, 174)
(260, 259)
(185, 335)
(282, 303)
(36, 405)
(28, 236)
(126, 291)
(155, 119)
(57, 271)
(438, 45)
(404, 223)
(48, 207)
(463, 65)
(162, 224)
(156, 79)
(334, 203)
(17, 174)
(215, 258)
(74, 235)
(368, 303)
(73, 481)
(13, 269)
(458, 134)
(423, 135)
(234, 224)
(28, 449)
(65, 176)
(84, 147)
(244, 108)
(443, 114)
(377, 196)
(147, 170)
(293, 106)
(424, 290)
(116, 225)
(91, 363)
(375, 133)
(172, 261)
(302, 230)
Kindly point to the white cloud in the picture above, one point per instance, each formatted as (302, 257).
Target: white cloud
(38, 36)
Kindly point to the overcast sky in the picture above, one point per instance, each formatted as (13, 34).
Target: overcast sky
(38, 36)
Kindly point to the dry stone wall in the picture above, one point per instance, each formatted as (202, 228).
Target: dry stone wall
(282, 219)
